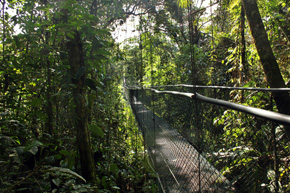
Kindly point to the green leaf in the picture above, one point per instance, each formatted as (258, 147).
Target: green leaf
(64, 152)
(70, 35)
(116, 188)
(184, 3)
(96, 130)
(56, 181)
(114, 169)
(36, 102)
(104, 52)
(32, 146)
(104, 182)
(33, 150)
(250, 84)
(67, 171)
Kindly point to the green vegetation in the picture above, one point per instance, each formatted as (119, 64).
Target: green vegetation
(64, 123)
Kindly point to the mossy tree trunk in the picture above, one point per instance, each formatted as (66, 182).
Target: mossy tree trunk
(78, 76)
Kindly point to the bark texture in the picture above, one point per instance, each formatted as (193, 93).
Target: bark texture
(49, 109)
(76, 62)
(244, 75)
(268, 60)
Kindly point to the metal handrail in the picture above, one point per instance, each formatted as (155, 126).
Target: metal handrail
(269, 115)
(227, 88)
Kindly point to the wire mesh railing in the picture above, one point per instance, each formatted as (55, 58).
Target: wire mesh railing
(198, 146)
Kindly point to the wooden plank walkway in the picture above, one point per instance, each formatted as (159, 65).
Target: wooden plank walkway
(180, 166)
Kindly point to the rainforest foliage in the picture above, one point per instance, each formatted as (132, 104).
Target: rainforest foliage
(65, 125)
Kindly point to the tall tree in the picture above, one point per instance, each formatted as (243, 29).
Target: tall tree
(77, 65)
(267, 58)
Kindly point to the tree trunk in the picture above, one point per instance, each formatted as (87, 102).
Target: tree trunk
(141, 59)
(49, 109)
(192, 43)
(268, 60)
(244, 75)
(76, 62)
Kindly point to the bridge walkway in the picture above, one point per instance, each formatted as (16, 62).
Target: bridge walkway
(181, 168)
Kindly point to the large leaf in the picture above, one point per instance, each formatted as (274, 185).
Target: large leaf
(92, 84)
(67, 171)
(33, 146)
(114, 169)
(96, 130)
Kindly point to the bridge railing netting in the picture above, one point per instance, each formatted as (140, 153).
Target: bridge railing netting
(250, 152)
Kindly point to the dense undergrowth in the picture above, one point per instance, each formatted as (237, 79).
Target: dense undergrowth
(49, 164)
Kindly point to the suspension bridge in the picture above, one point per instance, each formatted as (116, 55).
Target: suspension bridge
(196, 146)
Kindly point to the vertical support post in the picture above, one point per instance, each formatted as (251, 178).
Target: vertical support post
(136, 140)
(197, 120)
(276, 162)
(154, 127)
(198, 140)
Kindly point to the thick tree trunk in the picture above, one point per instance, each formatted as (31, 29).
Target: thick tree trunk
(268, 60)
(76, 62)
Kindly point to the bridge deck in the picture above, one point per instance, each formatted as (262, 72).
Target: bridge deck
(180, 166)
